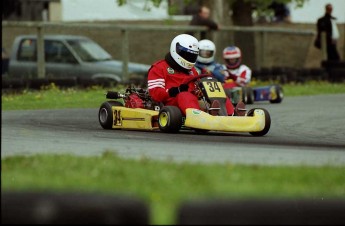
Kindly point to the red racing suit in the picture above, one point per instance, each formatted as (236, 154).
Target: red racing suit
(162, 77)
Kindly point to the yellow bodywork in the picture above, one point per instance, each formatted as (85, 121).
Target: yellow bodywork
(202, 120)
(273, 93)
(134, 118)
(142, 119)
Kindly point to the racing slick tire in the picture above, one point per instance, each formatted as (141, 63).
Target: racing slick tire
(248, 95)
(170, 119)
(105, 114)
(280, 95)
(267, 122)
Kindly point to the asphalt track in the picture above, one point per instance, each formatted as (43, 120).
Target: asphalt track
(308, 130)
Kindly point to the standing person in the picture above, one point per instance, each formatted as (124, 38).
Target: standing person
(166, 77)
(202, 18)
(327, 24)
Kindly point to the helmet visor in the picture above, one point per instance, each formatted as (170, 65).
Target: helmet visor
(206, 53)
(187, 54)
(233, 63)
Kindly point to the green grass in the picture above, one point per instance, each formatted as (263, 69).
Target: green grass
(163, 185)
(52, 97)
(309, 88)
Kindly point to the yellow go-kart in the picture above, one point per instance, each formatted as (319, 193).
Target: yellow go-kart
(136, 110)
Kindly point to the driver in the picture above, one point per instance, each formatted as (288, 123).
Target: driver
(239, 73)
(166, 77)
(205, 63)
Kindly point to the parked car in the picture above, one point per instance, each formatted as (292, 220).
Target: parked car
(68, 57)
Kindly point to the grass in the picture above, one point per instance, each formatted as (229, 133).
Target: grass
(53, 97)
(165, 185)
(309, 88)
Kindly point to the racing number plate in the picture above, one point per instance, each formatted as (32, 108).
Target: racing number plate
(214, 89)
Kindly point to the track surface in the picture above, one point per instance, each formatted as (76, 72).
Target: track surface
(307, 130)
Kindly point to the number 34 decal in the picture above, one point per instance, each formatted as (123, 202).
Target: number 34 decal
(214, 89)
(213, 86)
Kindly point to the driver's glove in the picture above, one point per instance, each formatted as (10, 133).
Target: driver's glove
(233, 77)
(173, 91)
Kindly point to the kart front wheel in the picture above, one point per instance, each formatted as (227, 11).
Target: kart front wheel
(267, 122)
(170, 119)
(105, 114)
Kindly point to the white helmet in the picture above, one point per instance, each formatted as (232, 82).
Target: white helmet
(184, 49)
(207, 51)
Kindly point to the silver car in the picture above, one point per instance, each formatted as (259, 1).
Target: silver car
(68, 56)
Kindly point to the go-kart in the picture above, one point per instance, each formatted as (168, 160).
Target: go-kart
(273, 93)
(136, 110)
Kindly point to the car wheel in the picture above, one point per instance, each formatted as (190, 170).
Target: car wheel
(105, 114)
(267, 122)
(170, 119)
(278, 90)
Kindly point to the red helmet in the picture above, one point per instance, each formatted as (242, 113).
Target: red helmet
(232, 56)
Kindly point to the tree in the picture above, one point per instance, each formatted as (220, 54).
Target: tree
(234, 6)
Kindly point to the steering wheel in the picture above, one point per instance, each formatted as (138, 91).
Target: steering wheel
(197, 90)
(194, 78)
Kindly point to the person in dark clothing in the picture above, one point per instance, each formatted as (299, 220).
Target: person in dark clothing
(327, 24)
(202, 18)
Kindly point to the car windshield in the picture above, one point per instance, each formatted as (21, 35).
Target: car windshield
(89, 51)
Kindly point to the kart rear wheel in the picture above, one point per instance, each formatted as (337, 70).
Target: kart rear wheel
(105, 114)
(279, 93)
(267, 122)
(170, 119)
(249, 93)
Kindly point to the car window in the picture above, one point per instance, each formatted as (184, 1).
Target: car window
(57, 52)
(27, 50)
(89, 51)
